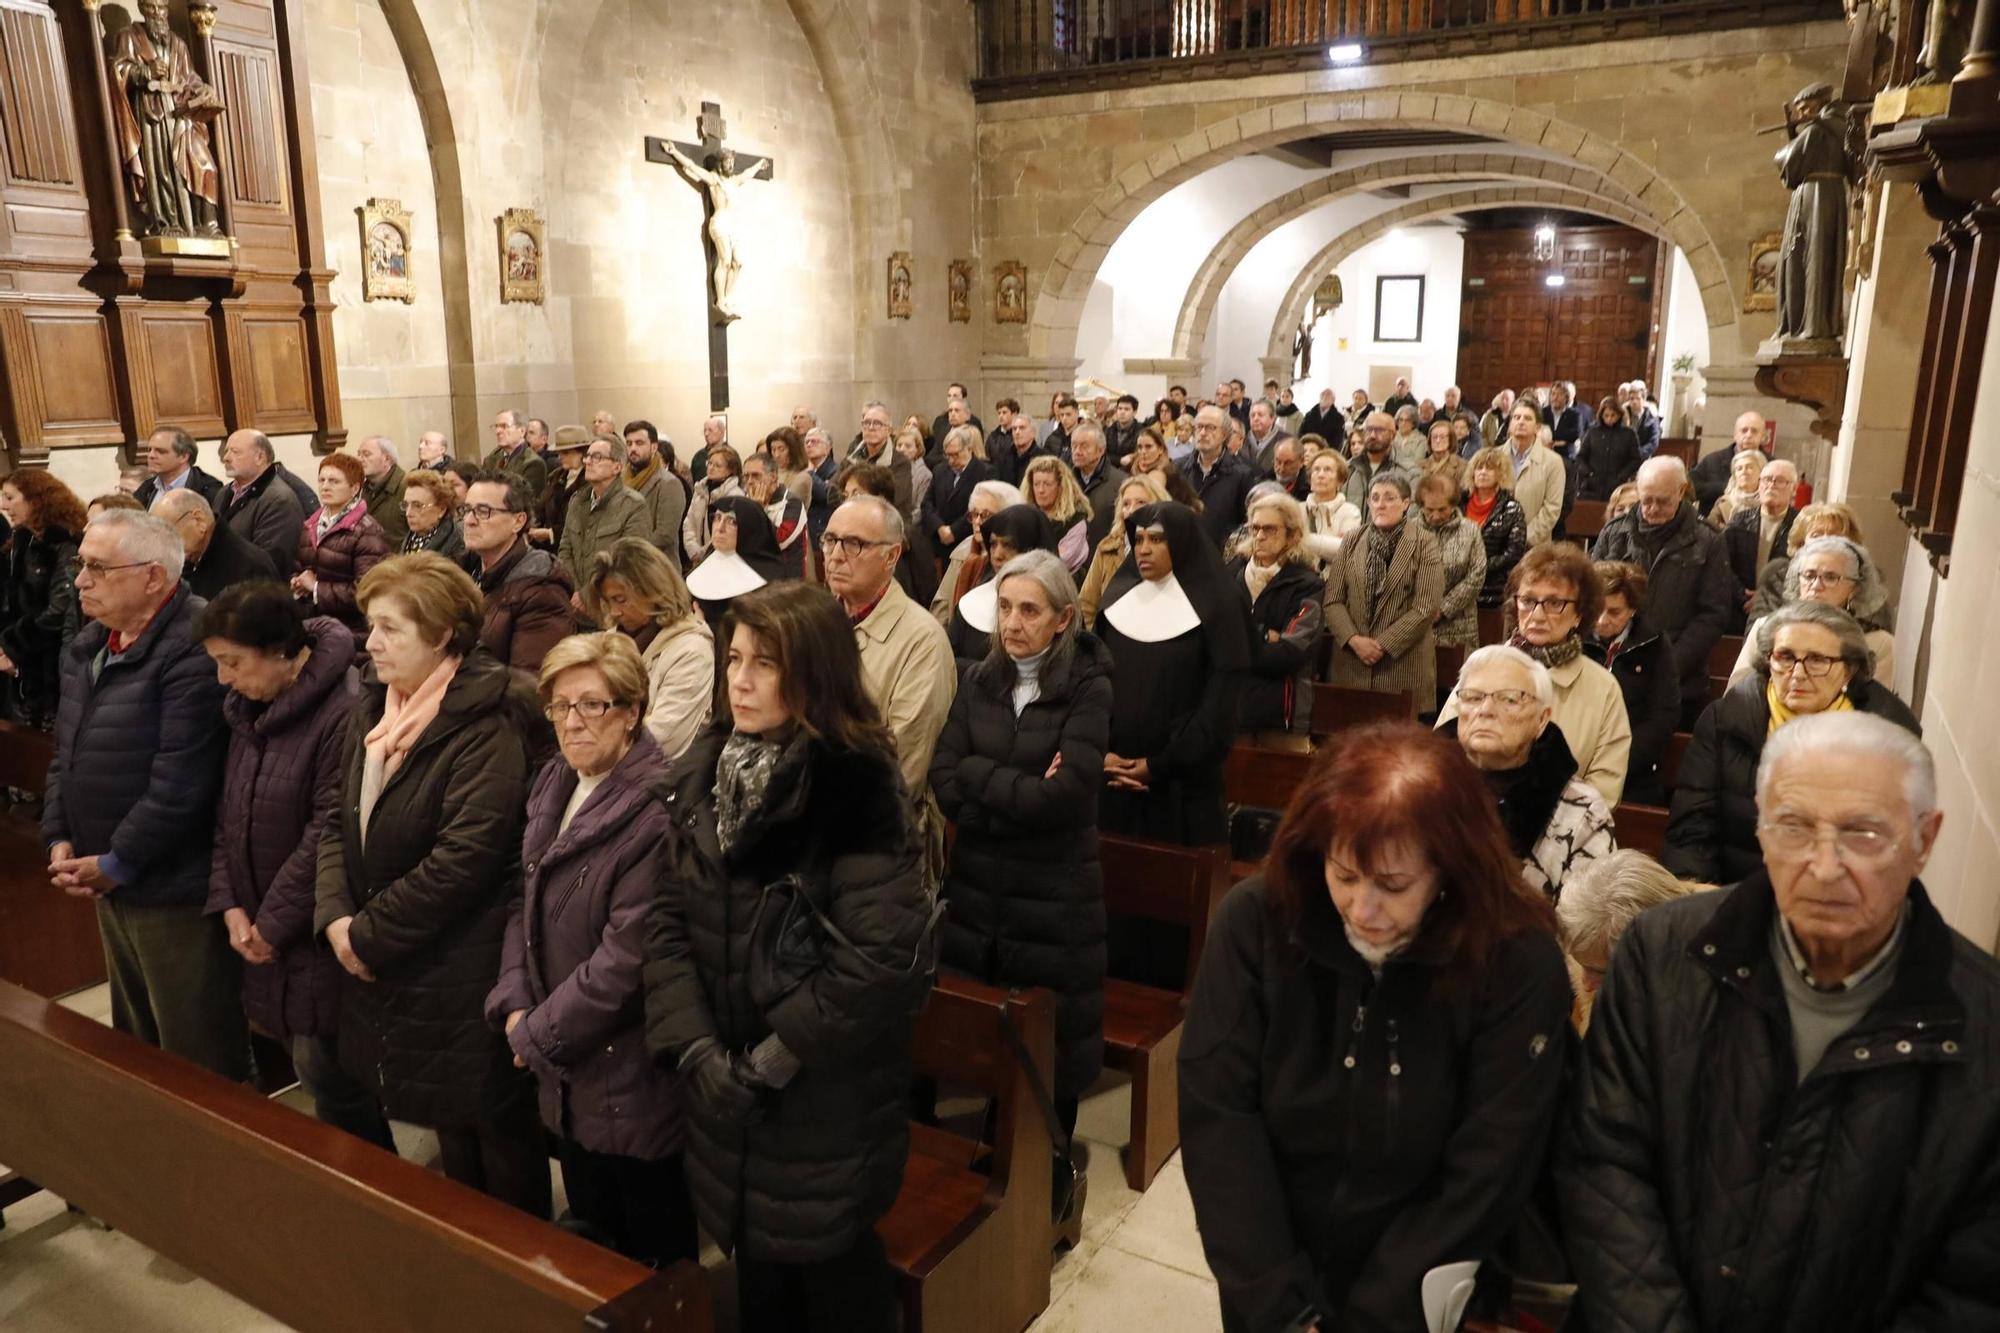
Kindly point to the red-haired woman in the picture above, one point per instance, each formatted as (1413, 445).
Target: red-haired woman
(38, 611)
(1374, 1050)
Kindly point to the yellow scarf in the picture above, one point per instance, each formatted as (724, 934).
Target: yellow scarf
(1780, 714)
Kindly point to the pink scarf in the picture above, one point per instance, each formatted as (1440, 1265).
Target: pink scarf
(405, 717)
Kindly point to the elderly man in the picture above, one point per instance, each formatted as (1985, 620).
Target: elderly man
(1400, 399)
(1265, 435)
(1288, 469)
(1325, 419)
(603, 511)
(876, 447)
(906, 661)
(714, 434)
(1221, 479)
(382, 486)
(257, 505)
(1755, 535)
(169, 457)
(512, 455)
(216, 558)
(1098, 477)
(957, 412)
(951, 487)
(787, 515)
(603, 423)
(433, 451)
(1790, 1097)
(528, 608)
(129, 812)
(1492, 426)
(803, 419)
(1692, 596)
(1011, 463)
(1556, 822)
(650, 477)
(1711, 474)
(1374, 459)
(822, 466)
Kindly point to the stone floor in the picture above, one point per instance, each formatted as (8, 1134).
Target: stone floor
(1139, 1265)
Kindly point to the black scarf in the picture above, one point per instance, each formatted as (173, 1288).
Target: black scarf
(1552, 655)
(743, 779)
(1528, 795)
(1381, 551)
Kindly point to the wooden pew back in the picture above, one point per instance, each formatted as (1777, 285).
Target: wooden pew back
(1585, 521)
(1337, 708)
(1640, 827)
(48, 940)
(310, 1225)
(1160, 882)
(1264, 778)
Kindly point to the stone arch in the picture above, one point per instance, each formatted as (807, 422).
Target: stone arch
(1066, 282)
(1205, 289)
(1292, 309)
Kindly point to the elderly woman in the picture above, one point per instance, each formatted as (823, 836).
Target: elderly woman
(1608, 454)
(1810, 658)
(1287, 620)
(1502, 524)
(1382, 600)
(416, 870)
(1013, 531)
(1409, 445)
(1018, 769)
(1374, 1056)
(38, 608)
(1178, 631)
(1331, 518)
(1441, 457)
(1830, 519)
(634, 589)
(1622, 499)
(1744, 470)
(287, 708)
(1839, 572)
(1505, 724)
(569, 997)
(1552, 595)
(429, 509)
(338, 545)
(795, 1046)
(1050, 486)
(722, 476)
(1597, 905)
(1640, 657)
(1463, 552)
(968, 566)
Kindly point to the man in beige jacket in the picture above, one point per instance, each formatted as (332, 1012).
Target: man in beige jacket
(1538, 474)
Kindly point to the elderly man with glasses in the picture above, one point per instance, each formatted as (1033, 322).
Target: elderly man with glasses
(528, 595)
(128, 818)
(603, 511)
(1222, 479)
(1790, 1099)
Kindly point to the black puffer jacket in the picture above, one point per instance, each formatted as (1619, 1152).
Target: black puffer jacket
(1025, 894)
(35, 610)
(1345, 1134)
(1505, 533)
(1704, 1188)
(1275, 694)
(826, 1159)
(139, 757)
(1644, 670)
(1712, 833)
(429, 897)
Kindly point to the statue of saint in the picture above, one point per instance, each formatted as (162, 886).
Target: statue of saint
(721, 186)
(161, 114)
(1812, 259)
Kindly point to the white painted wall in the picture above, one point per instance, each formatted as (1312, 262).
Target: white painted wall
(1686, 331)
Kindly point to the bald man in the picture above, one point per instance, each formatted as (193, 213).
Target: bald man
(1711, 474)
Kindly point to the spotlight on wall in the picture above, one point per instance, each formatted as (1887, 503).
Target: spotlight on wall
(1553, 280)
(1346, 53)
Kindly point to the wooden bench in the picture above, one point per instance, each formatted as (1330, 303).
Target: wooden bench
(1641, 827)
(1585, 521)
(1492, 625)
(48, 940)
(969, 1233)
(1142, 1024)
(1264, 778)
(1338, 708)
(315, 1228)
(1450, 661)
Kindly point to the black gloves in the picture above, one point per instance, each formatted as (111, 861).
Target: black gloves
(713, 1074)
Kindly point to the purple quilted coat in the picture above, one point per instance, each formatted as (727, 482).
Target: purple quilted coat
(280, 786)
(575, 945)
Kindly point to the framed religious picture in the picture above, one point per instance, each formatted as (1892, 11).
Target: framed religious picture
(523, 256)
(385, 252)
(958, 291)
(1762, 291)
(1010, 292)
(902, 271)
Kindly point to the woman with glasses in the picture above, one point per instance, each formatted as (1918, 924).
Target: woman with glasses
(723, 474)
(1552, 596)
(1441, 458)
(429, 511)
(787, 956)
(1331, 518)
(1839, 572)
(338, 545)
(1809, 658)
(417, 869)
(1383, 597)
(636, 590)
(1282, 585)
(569, 998)
(1827, 519)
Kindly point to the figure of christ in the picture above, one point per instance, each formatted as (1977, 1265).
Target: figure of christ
(721, 186)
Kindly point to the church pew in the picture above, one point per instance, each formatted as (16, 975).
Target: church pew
(1338, 708)
(1722, 657)
(1450, 661)
(969, 1232)
(315, 1228)
(1685, 449)
(48, 940)
(1264, 778)
(1585, 521)
(1642, 828)
(1492, 625)
(1142, 1024)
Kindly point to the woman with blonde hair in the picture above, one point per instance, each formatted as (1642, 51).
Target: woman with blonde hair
(1051, 487)
(1503, 526)
(1134, 493)
(912, 444)
(1282, 583)
(635, 590)
(1596, 906)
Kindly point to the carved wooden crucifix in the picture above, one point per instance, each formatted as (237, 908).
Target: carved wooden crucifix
(720, 174)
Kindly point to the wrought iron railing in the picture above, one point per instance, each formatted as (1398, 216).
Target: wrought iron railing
(1027, 47)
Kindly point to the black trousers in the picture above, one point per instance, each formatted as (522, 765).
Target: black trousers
(850, 1292)
(640, 1208)
(505, 1155)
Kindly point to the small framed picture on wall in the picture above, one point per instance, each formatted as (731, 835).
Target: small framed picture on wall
(1399, 308)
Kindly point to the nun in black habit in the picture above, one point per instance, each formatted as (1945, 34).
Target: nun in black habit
(743, 556)
(1013, 531)
(1180, 642)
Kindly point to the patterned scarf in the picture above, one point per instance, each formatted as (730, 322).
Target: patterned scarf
(1552, 655)
(1381, 550)
(742, 781)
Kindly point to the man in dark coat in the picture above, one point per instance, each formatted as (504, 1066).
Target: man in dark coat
(216, 557)
(1400, 398)
(1011, 463)
(382, 487)
(951, 492)
(1220, 478)
(1711, 475)
(259, 505)
(1097, 476)
(1790, 1092)
(1325, 419)
(129, 810)
(1692, 595)
(513, 455)
(1754, 536)
(529, 597)
(1121, 433)
(170, 457)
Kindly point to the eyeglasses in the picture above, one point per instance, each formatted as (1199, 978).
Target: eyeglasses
(484, 513)
(1548, 606)
(600, 458)
(1816, 665)
(1265, 529)
(1510, 700)
(851, 547)
(1817, 578)
(409, 505)
(1800, 837)
(97, 569)
(558, 710)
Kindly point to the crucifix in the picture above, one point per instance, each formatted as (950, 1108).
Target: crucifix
(720, 175)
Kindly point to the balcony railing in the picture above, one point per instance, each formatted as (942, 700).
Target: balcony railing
(1031, 47)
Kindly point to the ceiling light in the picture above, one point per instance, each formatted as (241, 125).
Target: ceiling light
(1553, 280)
(1346, 53)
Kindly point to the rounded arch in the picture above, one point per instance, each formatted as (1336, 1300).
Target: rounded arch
(1205, 289)
(1292, 309)
(1066, 281)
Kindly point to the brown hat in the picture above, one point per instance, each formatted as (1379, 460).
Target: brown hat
(572, 437)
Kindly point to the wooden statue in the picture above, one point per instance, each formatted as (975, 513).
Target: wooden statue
(161, 112)
(1816, 167)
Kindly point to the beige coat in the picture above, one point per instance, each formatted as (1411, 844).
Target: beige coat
(1590, 709)
(1403, 618)
(907, 668)
(1104, 562)
(1538, 489)
(680, 680)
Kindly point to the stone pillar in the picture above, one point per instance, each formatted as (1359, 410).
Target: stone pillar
(1277, 368)
(1732, 391)
(1031, 380)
